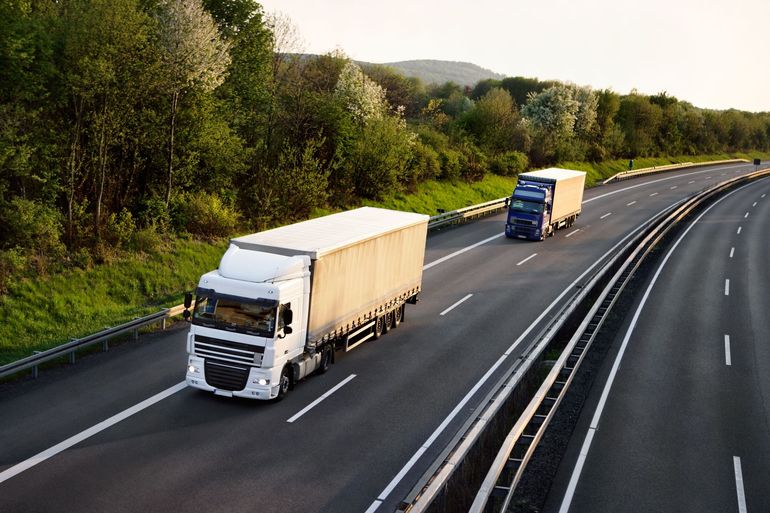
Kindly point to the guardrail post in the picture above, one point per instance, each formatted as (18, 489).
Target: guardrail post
(163, 324)
(34, 369)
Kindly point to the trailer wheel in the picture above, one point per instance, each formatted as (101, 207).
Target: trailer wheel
(378, 328)
(326, 357)
(388, 321)
(398, 315)
(284, 383)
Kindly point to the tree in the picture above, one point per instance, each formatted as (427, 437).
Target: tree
(362, 96)
(494, 121)
(194, 55)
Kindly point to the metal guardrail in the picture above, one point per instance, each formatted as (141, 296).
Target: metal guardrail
(625, 175)
(463, 214)
(103, 337)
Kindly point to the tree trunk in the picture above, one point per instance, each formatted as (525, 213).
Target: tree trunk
(174, 103)
(73, 165)
(102, 172)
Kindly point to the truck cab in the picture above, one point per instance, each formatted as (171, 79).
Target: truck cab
(529, 212)
(248, 325)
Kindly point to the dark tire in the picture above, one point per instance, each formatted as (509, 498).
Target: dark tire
(284, 383)
(326, 358)
(388, 324)
(379, 327)
(398, 315)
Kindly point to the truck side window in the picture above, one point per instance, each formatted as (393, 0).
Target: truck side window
(285, 306)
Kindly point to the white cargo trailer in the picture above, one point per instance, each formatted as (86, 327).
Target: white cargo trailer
(283, 300)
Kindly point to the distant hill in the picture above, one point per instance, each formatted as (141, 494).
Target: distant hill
(438, 72)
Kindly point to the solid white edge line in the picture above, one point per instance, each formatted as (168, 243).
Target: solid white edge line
(533, 255)
(88, 433)
(409, 464)
(456, 304)
(739, 485)
(575, 477)
(373, 507)
(461, 251)
(728, 358)
(318, 401)
(606, 215)
(732, 252)
(727, 287)
(570, 234)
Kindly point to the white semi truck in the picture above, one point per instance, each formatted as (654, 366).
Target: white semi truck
(283, 300)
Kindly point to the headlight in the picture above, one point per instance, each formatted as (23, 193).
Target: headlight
(262, 381)
(192, 369)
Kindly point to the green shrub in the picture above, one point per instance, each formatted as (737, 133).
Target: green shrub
(204, 214)
(120, 228)
(154, 213)
(509, 164)
(147, 240)
(474, 163)
(451, 164)
(13, 263)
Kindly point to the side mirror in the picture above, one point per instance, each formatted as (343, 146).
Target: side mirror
(187, 299)
(186, 314)
(288, 317)
(287, 330)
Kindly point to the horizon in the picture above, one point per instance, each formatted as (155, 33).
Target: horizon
(705, 55)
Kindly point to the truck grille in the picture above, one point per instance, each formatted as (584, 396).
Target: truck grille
(224, 350)
(524, 222)
(226, 376)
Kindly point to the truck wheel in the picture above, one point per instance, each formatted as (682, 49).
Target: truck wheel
(326, 357)
(379, 324)
(388, 321)
(284, 383)
(398, 314)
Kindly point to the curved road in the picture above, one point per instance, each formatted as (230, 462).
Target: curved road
(686, 422)
(399, 400)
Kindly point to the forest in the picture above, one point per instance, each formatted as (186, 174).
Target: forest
(124, 123)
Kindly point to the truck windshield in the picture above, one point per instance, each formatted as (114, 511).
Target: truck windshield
(235, 314)
(530, 207)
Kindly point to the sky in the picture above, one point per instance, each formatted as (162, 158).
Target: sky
(711, 53)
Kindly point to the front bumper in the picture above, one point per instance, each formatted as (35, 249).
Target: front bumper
(253, 390)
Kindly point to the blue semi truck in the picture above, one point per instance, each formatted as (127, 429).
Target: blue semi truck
(544, 201)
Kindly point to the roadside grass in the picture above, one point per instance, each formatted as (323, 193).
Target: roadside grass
(38, 314)
(41, 313)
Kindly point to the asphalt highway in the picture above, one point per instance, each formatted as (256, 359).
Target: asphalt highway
(98, 437)
(683, 422)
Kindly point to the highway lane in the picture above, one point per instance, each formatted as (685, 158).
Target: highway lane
(194, 451)
(686, 423)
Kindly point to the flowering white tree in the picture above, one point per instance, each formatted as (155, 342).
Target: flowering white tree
(562, 110)
(194, 56)
(363, 97)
